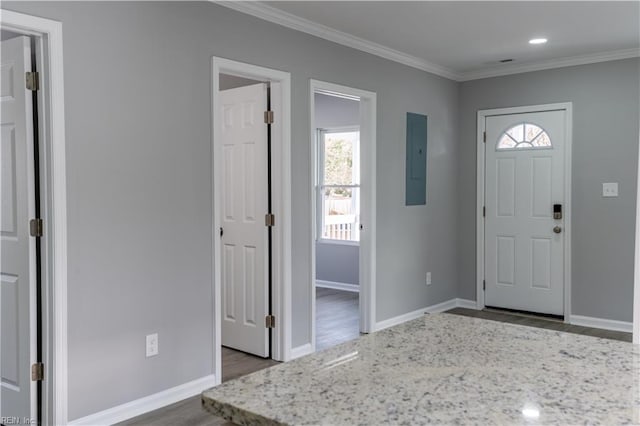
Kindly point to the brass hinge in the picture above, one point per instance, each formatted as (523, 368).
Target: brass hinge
(269, 219)
(33, 81)
(484, 137)
(35, 227)
(484, 285)
(268, 117)
(484, 211)
(270, 321)
(37, 372)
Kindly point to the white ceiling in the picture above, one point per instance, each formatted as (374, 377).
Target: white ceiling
(467, 39)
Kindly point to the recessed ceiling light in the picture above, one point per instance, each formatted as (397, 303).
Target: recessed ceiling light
(538, 41)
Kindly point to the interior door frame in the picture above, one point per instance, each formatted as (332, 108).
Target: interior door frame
(636, 278)
(281, 203)
(48, 36)
(367, 258)
(480, 195)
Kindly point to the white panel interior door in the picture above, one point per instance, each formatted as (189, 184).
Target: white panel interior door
(524, 255)
(17, 249)
(244, 205)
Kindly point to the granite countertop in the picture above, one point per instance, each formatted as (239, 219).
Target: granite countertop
(444, 369)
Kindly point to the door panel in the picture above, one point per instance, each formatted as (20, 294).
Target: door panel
(506, 187)
(506, 260)
(245, 202)
(17, 249)
(524, 258)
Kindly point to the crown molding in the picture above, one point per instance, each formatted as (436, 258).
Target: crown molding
(280, 17)
(569, 61)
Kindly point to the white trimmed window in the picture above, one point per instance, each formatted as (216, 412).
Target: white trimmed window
(338, 189)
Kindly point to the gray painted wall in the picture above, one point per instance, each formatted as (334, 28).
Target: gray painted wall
(139, 164)
(605, 149)
(7, 35)
(227, 82)
(331, 111)
(336, 262)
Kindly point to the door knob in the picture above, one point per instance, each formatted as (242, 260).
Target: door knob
(557, 229)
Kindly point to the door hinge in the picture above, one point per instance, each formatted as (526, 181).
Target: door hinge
(37, 372)
(484, 211)
(268, 117)
(269, 219)
(32, 80)
(484, 137)
(484, 285)
(35, 227)
(270, 321)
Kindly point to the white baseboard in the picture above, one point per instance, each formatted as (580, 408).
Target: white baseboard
(442, 307)
(148, 403)
(605, 324)
(466, 303)
(303, 350)
(355, 288)
(433, 309)
(381, 325)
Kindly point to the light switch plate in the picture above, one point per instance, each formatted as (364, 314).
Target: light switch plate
(610, 189)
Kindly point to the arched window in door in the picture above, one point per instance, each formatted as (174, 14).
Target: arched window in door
(524, 135)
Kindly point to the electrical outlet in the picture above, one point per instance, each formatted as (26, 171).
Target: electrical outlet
(152, 345)
(428, 278)
(610, 189)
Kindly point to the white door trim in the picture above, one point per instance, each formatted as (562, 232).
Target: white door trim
(48, 34)
(636, 284)
(281, 203)
(480, 191)
(367, 262)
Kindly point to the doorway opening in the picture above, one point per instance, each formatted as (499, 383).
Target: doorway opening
(21, 270)
(337, 121)
(247, 284)
(343, 213)
(251, 211)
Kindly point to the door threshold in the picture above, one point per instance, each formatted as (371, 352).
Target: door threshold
(525, 314)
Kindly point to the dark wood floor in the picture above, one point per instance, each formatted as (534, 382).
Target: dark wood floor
(533, 321)
(337, 317)
(337, 320)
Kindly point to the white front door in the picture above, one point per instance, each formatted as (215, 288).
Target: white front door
(524, 244)
(244, 205)
(17, 249)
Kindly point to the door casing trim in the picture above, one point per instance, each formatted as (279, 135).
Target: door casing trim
(480, 194)
(48, 34)
(367, 258)
(636, 272)
(281, 204)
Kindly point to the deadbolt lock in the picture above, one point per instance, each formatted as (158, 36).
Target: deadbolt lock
(557, 229)
(557, 211)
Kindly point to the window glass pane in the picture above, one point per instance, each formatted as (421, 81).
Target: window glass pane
(341, 214)
(339, 150)
(506, 142)
(531, 131)
(542, 140)
(516, 132)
